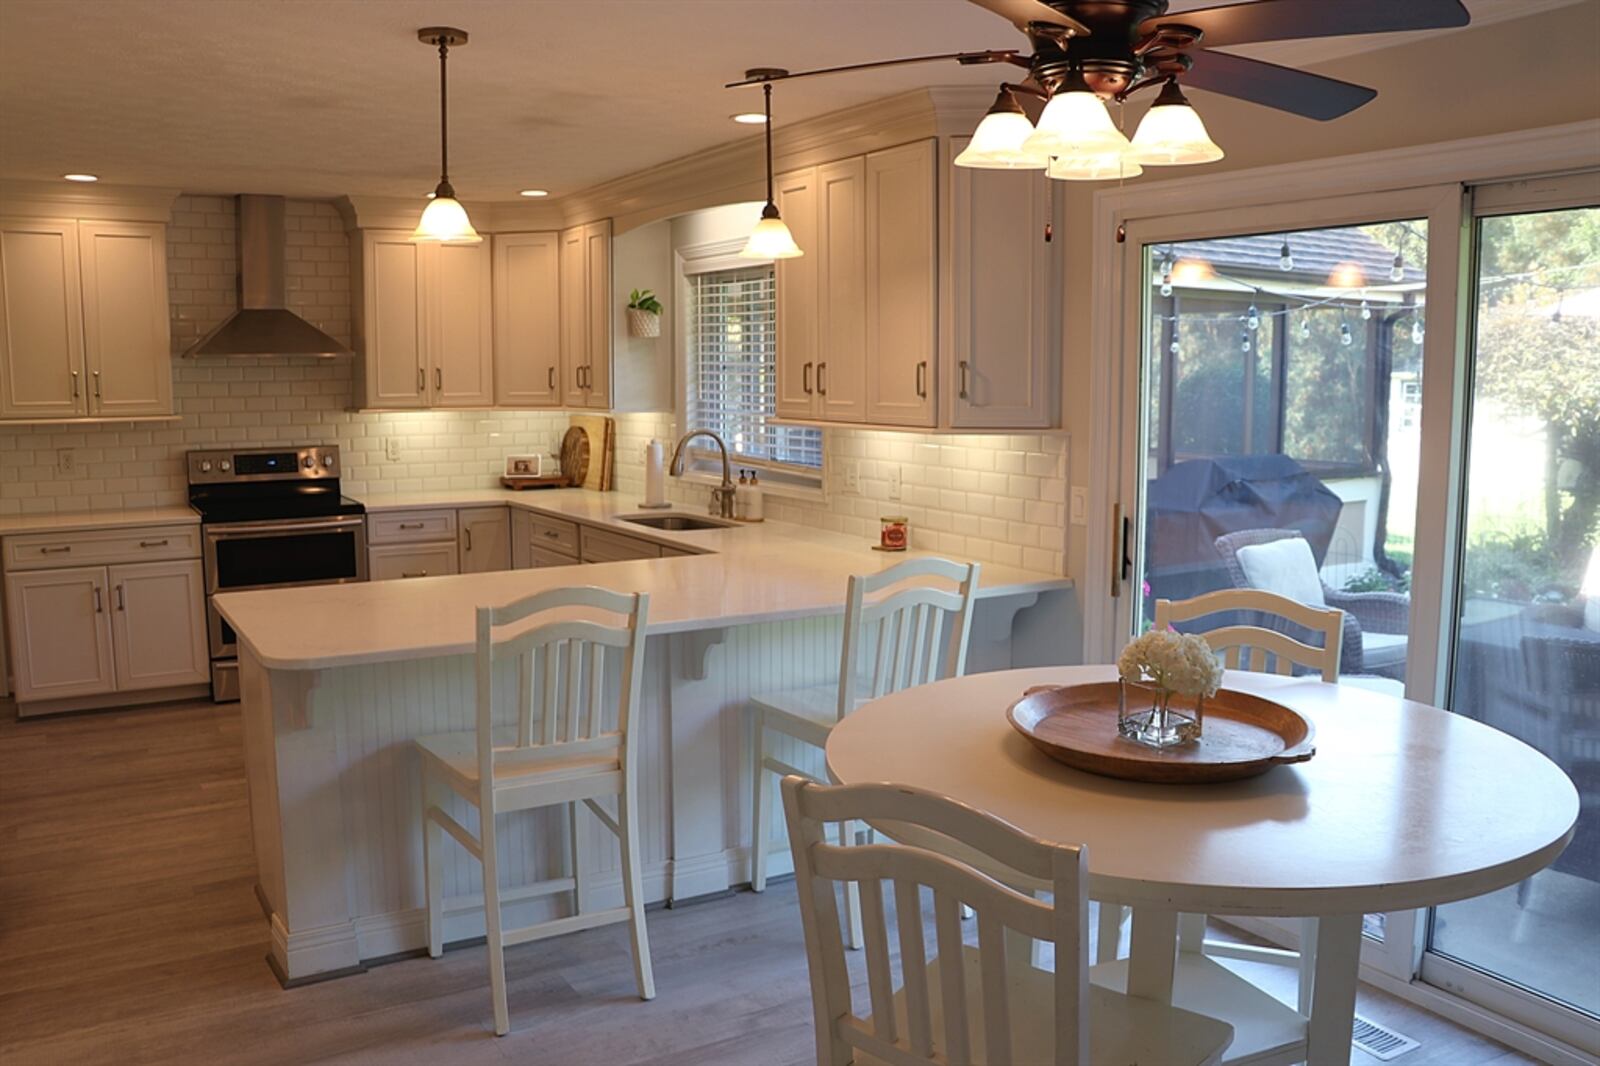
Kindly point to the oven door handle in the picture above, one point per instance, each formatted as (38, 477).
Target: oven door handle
(256, 529)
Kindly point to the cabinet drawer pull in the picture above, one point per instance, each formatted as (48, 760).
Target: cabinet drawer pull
(922, 379)
(122, 602)
(438, 378)
(74, 384)
(98, 606)
(56, 551)
(552, 379)
(552, 534)
(822, 379)
(97, 384)
(413, 525)
(413, 573)
(805, 379)
(422, 380)
(965, 370)
(162, 543)
(467, 535)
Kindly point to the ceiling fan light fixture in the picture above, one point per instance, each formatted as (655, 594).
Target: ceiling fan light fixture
(997, 143)
(1172, 133)
(444, 220)
(1075, 123)
(1106, 166)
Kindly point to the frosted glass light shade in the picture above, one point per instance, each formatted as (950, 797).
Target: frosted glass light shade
(445, 220)
(997, 144)
(1173, 135)
(1075, 123)
(1103, 167)
(771, 239)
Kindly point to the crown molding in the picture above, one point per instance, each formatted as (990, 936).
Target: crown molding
(64, 199)
(388, 212)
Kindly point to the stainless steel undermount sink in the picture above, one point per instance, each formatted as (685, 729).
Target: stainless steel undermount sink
(677, 522)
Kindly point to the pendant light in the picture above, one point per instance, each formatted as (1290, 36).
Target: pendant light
(1107, 166)
(1075, 124)
(770, 239)
(444, 219)
(1171, 133)
(997, 142)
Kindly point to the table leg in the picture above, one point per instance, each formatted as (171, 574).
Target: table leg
(1333, 996)
(1152, 954)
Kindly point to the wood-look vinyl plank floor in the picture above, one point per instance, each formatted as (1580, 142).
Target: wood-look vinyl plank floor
(130, 933)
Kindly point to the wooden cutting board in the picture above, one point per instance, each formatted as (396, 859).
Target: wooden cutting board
(602, 434)
(575, 456)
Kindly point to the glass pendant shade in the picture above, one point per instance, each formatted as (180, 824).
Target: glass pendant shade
(446, 221)
(1075, 124)
(1104, 167)
(997, 142)
(771, 239)
(1171, 133)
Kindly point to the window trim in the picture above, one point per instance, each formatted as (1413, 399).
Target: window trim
(705, 464)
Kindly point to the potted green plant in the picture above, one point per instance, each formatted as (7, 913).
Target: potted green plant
(644, 314)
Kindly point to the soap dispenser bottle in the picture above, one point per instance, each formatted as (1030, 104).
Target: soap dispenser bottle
(741, 496)
(754, 504)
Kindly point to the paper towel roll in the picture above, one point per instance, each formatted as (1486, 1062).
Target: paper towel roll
(655, 474)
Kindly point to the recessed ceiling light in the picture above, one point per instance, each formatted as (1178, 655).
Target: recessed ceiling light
(534, 192)
(81, 177)
(749, 118)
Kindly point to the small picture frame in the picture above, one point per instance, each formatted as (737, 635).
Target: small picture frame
(524, 465)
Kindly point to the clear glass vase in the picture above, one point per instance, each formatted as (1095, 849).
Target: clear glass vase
(1158, 718)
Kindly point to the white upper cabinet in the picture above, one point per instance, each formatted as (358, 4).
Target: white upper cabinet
(843, 298)
(585, 268)
(424, 323)
(1003, 349)
(902, 284)
(797, 310)
(84, 327)
(527, 319)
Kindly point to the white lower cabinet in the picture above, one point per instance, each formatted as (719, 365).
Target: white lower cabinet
(485, 539)
(60, 633)
(158, 638)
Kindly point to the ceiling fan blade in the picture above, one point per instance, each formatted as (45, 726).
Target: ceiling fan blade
(1283, 20)
(966, 59)
(1296, 91)
(1021, 12)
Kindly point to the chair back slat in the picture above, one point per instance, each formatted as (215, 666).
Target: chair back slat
(560, 703)
(908, 621)
(965, 996)
(1247, 647)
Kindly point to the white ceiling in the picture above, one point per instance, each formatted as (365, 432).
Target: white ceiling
(322, 98)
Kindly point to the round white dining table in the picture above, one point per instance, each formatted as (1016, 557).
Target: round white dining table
(1402, 806)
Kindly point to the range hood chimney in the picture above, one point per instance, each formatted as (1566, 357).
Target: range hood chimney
(263, 325)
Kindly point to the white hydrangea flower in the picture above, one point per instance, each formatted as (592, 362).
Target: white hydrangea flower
(1177, 662)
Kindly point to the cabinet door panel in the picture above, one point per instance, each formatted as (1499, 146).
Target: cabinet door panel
(411, 560)
(574, 318)
(841, 381)
(1000, 286)
(60, 633)
(485, 539)
(527, 320)
(393, 346)
(41, 328)
(902, 284)
(462, 349)
(158, 626)
(796, 194)
(597, 308)
(126, 330)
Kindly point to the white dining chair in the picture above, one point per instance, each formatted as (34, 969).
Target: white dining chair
(565, 748)
(980, 1003)
(898, 636)
(1254, 648)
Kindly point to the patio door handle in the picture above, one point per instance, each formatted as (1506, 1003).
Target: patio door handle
(1122, 534)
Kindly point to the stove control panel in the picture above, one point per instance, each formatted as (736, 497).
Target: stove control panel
(237, 465)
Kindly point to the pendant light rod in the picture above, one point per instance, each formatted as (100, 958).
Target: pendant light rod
(766, 100)
(443, 37)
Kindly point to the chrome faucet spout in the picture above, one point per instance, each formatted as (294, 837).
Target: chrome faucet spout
(722, 495)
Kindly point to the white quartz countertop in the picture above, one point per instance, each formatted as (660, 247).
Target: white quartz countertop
(763, 572)
(79, 521)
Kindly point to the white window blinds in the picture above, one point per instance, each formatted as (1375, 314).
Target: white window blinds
(732, 363)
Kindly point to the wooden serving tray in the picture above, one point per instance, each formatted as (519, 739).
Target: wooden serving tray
(1244, 736)
(544, 481)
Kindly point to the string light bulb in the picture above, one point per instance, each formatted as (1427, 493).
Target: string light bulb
(1366, 310)
(1417, 333)
(1397, 270)
(1346, 338)
(1305, 329)
(1253, 317)
(1285, 256)
(1244, 343)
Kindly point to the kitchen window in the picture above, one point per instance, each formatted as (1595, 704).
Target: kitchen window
(730, 349)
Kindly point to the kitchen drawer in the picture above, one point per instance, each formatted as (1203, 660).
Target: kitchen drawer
(411, 560)
(601, 546)
(408, 527)
(554, 534)
(538, 557)
(136, 544)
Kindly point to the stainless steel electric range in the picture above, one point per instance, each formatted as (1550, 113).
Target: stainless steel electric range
(270, 518)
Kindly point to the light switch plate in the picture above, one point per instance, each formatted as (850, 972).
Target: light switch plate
(391, 448)
(852, 475)
(1080, 506)
(894, 481)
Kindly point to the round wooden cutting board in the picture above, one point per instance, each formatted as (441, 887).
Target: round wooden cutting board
(575, 455)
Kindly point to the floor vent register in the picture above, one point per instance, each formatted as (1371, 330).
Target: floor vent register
(1382, 1044)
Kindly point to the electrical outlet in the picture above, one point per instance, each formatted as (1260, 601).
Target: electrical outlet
(66, 461)
(391, 449)
(1080, 506)
(852, 475)
(894, 481)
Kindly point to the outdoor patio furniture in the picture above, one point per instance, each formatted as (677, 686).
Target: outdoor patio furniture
(1375, 623)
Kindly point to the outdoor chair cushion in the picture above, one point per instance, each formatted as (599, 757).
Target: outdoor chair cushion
(1379, 650)
(1285, 567)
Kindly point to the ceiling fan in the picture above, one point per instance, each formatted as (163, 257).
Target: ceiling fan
(1086, 52)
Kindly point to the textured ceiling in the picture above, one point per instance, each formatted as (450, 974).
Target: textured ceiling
(323, 98)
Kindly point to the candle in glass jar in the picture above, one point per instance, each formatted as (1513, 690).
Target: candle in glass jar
(895, 534)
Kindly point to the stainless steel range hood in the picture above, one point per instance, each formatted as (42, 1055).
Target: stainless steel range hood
(263, 325)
